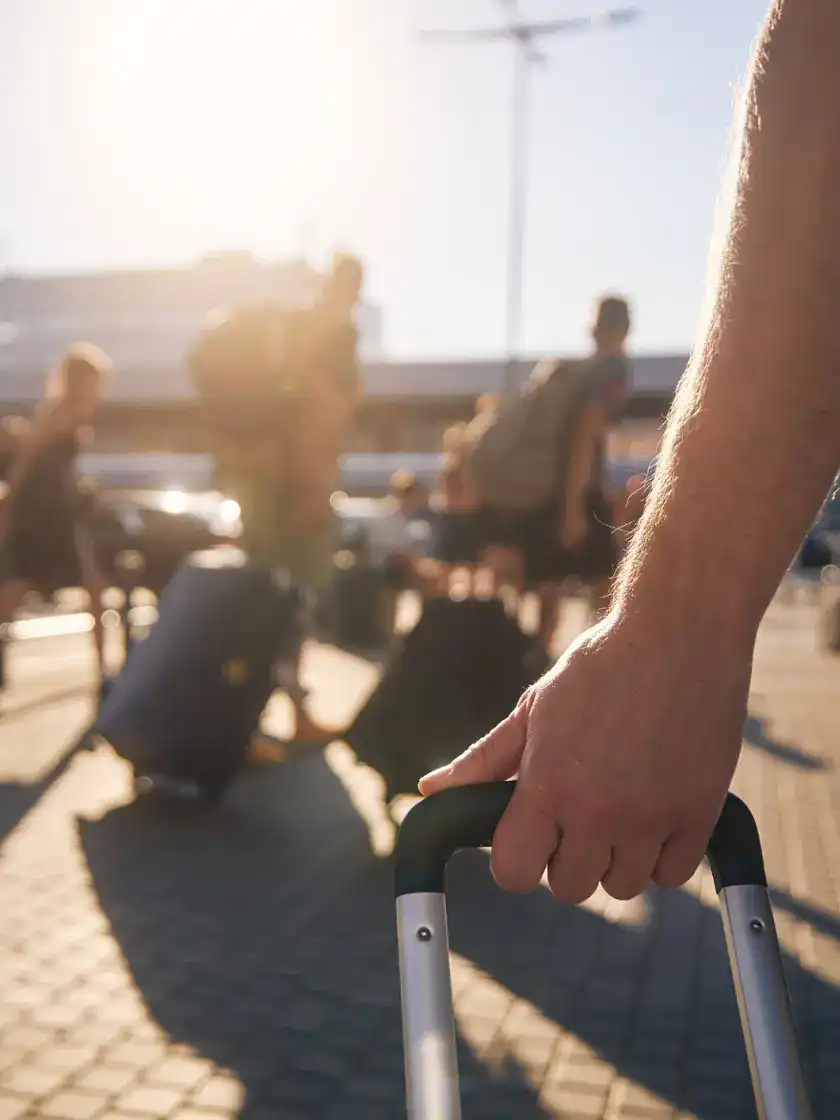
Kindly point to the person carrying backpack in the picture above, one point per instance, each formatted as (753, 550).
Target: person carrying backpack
(279, 389)
(538, 466)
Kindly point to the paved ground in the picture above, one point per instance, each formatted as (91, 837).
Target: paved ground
(194, 963)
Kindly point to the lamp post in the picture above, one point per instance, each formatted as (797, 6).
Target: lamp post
(525, 38)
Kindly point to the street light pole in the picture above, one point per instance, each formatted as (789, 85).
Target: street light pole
(524, 37)
(515, 270)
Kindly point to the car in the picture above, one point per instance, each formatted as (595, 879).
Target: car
(137, 543)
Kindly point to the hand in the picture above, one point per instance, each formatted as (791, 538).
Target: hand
(575, 527)
(624, 752)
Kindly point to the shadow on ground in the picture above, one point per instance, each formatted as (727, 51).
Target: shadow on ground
(262, 934)
(17, 799)
(756, 735)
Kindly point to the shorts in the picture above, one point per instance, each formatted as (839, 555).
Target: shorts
(458, 537)
(534, 534)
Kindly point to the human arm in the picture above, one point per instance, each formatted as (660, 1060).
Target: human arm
(589, 432)
(627, 747)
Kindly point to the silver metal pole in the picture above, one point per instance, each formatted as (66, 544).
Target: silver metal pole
(764, 1004)
(517, 203)
(431, 1059)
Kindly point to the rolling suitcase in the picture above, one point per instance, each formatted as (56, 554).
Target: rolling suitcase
(191, 694)
(356, 609)
(458, 673)
(466, 818)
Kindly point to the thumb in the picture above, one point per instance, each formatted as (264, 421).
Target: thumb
(494, 758)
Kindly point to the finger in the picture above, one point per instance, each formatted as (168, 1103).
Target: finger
(578, 866)
(631, 868)
(492, 759)
(524, 842)
(681, 857)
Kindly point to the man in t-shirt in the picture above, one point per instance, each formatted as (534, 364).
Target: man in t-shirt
(586, 546)
(573, 536)
(283, 474)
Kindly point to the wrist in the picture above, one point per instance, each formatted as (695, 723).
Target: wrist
(687, 602)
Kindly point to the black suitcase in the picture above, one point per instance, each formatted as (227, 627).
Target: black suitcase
(191, 694)
(466, 818)
(357, 611)
(457, 674)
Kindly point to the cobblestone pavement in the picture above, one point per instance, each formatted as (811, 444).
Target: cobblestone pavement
(174, 961)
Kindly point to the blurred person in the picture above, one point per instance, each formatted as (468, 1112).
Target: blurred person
(401, 539)
(284, 467)
(588, 546)
(626, 749)
(47, 544)
(573, 535)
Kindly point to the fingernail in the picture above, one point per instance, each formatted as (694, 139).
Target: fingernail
(430, 777)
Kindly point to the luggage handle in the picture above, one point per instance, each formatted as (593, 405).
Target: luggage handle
(467, 817)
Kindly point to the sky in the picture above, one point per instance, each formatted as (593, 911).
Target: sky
(147, 132)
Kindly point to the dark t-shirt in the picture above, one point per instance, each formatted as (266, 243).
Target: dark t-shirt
(41, 538)
(48, 497)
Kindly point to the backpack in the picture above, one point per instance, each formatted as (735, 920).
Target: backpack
(473, 659)
(517, 456)
(243, 367)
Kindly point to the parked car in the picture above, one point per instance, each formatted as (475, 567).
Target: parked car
(135, 538)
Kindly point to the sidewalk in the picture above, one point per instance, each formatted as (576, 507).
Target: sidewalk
(180, 962)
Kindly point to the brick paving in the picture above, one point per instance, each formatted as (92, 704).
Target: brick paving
(174, 961)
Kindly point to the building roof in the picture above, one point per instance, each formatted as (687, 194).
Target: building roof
(151, 369)
(147, 321)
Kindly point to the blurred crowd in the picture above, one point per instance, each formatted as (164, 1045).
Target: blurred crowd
(523, 503)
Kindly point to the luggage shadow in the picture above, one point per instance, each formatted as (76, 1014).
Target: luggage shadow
(262, 935)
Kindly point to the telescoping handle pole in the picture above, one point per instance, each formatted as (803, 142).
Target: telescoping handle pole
(466, 818)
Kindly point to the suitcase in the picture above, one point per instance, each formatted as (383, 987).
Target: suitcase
(191, 694)
(357, 611)
(466, 818)
(458, 673)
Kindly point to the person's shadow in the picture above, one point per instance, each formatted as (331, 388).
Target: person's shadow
(262, 934)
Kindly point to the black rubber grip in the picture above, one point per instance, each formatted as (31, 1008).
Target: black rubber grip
(734, 852)
(437, 827)
(466, 817)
